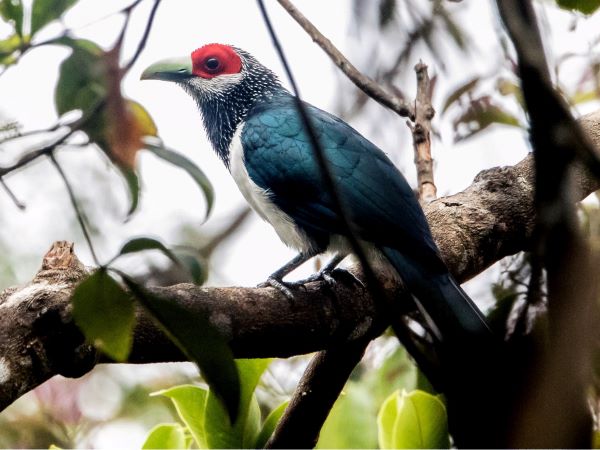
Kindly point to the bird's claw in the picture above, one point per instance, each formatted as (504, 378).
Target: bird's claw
(328, 277)
(279, 285)
(350, 277)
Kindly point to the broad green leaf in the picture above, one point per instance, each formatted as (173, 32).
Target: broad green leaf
(351, 422)
(220, 433)
(45, 11)
(396, 372)
(166, 435)
(270, 424)
(145, 243)
(584, 6)
(104, 312)
(413, 420)
(82, 79)
(385, 421)
(12, 11)
(133, 186)
(194, 171)
(193, 333)
(189, 401)
(252, 426)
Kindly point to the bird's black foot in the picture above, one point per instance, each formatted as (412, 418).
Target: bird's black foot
(327, 275)
(279, 285)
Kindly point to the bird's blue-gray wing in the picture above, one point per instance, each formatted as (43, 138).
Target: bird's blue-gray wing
(382, 205)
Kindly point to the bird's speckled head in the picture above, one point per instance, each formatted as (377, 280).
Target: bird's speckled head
(225, 82)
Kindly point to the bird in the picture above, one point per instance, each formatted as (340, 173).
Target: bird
(255, 128)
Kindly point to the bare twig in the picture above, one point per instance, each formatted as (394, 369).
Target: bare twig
(76, 208)
(12, 195)
(421, 134)
(144, 39)
(363, 82)
(233, 226)
(32, 156)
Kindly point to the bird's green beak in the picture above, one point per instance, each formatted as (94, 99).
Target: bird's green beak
(174, 69)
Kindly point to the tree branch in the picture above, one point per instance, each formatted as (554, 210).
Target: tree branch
(492, 218)
(363, 82)
(421, 134)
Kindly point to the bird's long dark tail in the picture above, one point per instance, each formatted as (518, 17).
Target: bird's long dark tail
(449, 307)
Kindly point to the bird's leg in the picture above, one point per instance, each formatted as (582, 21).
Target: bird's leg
(276, 278)
(326, 271)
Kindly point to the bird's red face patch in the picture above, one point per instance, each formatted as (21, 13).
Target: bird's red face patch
(215, 59)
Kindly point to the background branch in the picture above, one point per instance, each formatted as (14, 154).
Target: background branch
(363, 82)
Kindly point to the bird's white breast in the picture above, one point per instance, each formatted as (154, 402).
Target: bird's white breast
(260, 200)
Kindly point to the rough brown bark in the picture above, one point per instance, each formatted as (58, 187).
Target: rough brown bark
(490, 219)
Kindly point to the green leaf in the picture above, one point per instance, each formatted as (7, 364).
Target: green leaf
(252, 426)
(12, 11)
(413, 420)
(385, 421)
(351, 424)
(479, 116)
(45, 11)
(81, 82)
(104, 312)
(583, 6)
(8, 50)
(166, 435)
(145, 243)
(459, 92)
(189, 401)
(193, 333)
(194, 171)
(220, 433)
(269, 426)
(133, 185)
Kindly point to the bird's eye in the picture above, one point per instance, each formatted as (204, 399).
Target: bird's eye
(212, 64)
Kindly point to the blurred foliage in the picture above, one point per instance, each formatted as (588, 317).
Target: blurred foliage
(413, 420)
(352, 422)
(209, 424)
(584, 6)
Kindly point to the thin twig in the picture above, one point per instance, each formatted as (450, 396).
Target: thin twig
(76, 207)
(363, 82)
(12, 196)
(421, 134)
(144, 40)
(225, 233)
(32, 156)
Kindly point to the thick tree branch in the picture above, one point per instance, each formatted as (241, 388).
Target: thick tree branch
(492, 218)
